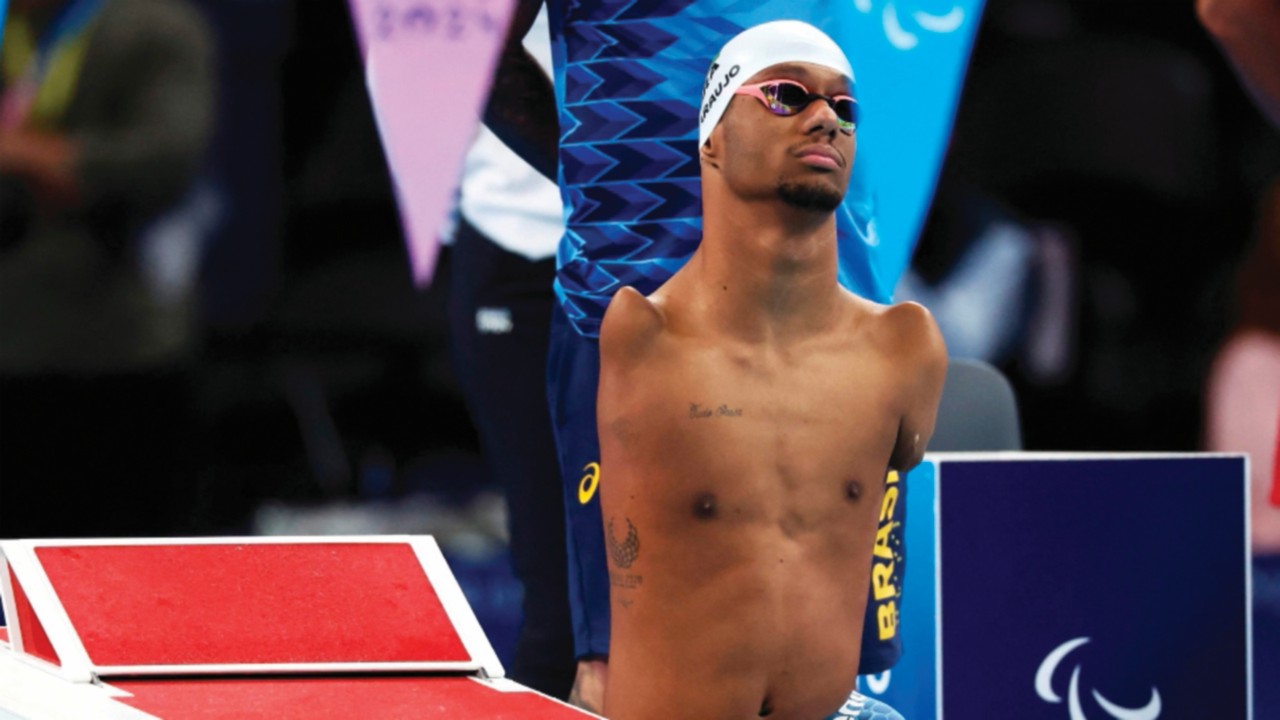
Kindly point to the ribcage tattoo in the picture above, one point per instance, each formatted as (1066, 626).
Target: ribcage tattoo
(624, 553)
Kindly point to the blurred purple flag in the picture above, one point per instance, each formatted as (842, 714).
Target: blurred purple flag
(428, 66)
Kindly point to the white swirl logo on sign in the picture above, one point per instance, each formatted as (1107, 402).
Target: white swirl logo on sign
(1044, 688)
(904, 39)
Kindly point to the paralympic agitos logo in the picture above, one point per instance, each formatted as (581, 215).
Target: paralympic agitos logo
(713, 93)
(1044, 688)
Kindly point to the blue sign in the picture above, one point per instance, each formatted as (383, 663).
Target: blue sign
(910, 58)
(1082, 588)
(1106, 588)
(4, 13)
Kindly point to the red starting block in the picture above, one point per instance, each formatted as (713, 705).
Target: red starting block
(279, 628)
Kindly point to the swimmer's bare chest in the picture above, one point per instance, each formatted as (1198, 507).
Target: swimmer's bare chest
(760, 435)
(754, 481)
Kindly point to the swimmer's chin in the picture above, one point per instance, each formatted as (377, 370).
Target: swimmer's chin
(816, 197)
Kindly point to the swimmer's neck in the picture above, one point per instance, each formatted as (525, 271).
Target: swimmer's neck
(768, 271)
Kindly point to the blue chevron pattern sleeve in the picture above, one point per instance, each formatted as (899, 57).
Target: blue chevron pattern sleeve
(629, 79)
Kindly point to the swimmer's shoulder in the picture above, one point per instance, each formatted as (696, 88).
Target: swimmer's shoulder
(905, 330)
(910, 326)
(631, 325)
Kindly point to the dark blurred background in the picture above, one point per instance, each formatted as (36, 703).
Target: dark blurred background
(1117, 131)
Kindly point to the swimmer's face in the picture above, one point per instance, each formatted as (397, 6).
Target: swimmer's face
(803, 159)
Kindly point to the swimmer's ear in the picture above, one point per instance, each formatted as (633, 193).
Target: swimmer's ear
(709, 152)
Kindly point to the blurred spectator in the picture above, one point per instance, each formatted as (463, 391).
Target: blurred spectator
(500, 317)
(1249, 32)
(1243, 394)
(105, 110)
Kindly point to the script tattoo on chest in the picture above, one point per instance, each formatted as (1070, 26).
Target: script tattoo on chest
(697, 411)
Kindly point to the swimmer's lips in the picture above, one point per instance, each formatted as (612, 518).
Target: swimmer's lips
(820, 156)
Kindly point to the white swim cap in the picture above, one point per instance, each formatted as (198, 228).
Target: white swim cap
(755, 49)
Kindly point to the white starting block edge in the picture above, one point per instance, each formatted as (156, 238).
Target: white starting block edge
(76, 666)
(1020, 455)
(31, 689)
(29, 692)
